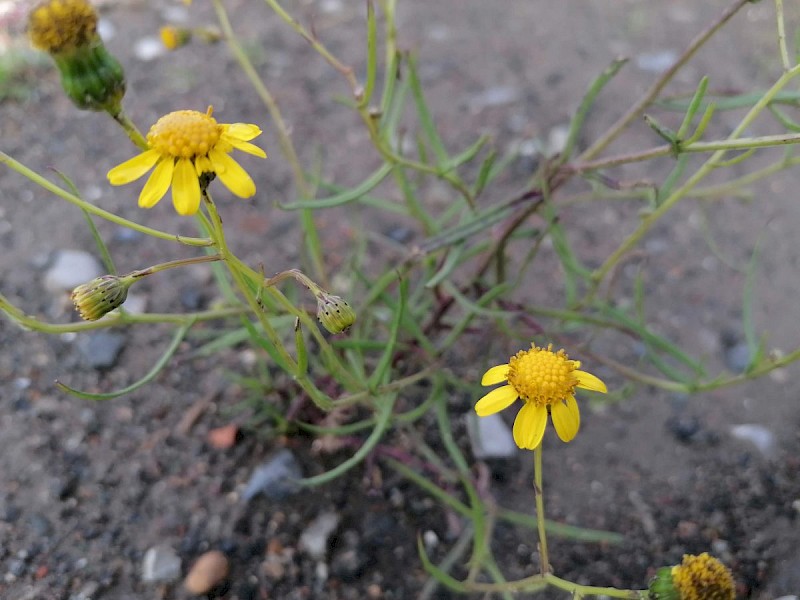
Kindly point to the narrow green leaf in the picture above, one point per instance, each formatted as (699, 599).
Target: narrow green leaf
(425, 118)
(344, 197)
(162, 362)
(372, 54)
(694, 105)
(576, 125)
(385, 362)
(383, 420)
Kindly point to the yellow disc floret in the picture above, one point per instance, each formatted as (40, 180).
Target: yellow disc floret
(703, 577)
(62, 25)
(184, 134)
(542, 376)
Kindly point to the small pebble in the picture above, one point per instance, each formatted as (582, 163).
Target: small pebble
(490, 437)
(148, 48)
(656, 62)
(207, 572)
(160, 565)
(758, 435)
(277, 478)
(224, 437)
(101, 348)
(70, 268)
(314, 539)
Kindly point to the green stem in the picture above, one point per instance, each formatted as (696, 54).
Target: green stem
(91, 208)
(651, 94)
(284, 137)
(579, 591)
(544, 559)
(111, 320)
(648, 221)
(766, 141)
(130, 128)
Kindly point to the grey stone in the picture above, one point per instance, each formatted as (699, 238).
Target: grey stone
(277, 478)
(314, 539)
(101, 348)
(160, 565)
(70, 268)
(490, 437)
(758, 435)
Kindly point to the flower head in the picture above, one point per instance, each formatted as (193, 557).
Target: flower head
(334, 313)
(188, 148)
(90, 75)
(546, 382)
(61, 25)
(174, 37)
(700, 577)
(100, 296)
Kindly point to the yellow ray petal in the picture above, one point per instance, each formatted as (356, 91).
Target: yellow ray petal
(588, 381)
(133, 168)
(496, 400)
(203, 165)
(529, 426)
(566, 418)
(185, 188)
(245, 146)
(157, 184)
(232, 174)
(495, 375)
(242, 131)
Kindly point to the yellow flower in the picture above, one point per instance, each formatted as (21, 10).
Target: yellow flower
(546, 382)
(188, 148)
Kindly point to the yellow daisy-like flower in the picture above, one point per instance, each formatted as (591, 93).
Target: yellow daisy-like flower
(546, 382)
(186, 148)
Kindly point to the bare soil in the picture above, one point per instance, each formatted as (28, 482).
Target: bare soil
(86, 488)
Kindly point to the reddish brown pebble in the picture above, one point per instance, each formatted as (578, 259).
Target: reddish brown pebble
(223, 438)
(208, 571)
(374, 592)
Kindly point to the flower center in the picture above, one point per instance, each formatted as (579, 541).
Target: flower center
(542, 376)
(184, 134)
(61, 25)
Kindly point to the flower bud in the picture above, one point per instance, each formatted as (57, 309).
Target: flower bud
(174, 37)
(700, 577)
(334, 313)
(100, 296)
(67, 29)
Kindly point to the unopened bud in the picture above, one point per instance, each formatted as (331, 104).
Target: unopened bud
(334, 313)
(100, 296)
(174, 37)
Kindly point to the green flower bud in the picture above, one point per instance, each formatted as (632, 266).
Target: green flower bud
(334, 313)
(91, 77)
(100, 296)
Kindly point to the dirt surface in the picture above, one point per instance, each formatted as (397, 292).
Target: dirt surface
(86, 488)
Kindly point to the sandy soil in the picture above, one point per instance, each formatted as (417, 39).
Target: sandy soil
(86, 488)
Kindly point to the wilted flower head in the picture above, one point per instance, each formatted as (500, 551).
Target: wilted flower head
(700, 577)
(61, 25)
(546, 382)
(91, 77)
(188, 147)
